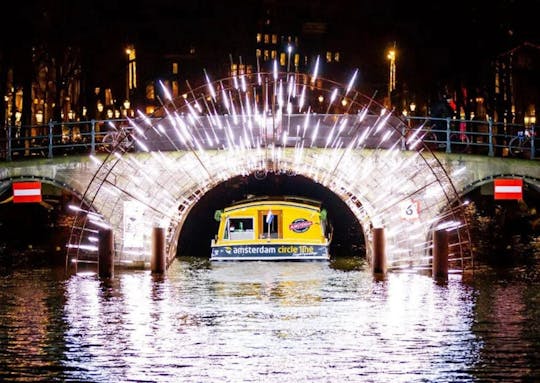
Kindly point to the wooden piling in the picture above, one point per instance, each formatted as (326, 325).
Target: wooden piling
(379, 251)
(157, 262)
(440, 254)
(106, 254)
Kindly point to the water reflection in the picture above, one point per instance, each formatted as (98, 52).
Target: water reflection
(507, 325)
(258, 321)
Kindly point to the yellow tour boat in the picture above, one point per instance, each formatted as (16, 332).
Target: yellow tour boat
(272, 229)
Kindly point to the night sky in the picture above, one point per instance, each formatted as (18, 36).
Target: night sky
(436, 41)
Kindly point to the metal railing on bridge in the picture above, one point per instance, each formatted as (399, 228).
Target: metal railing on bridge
(439, 134)
(477, 137)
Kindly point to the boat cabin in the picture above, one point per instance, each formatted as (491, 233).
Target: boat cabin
(272, 228)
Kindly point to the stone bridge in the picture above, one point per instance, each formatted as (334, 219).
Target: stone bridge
(358, 152)
(142, 190)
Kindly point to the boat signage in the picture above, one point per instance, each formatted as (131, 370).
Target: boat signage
(268, 250)
(300, 225)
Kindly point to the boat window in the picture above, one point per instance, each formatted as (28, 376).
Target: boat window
(239, 228)
(270, 226)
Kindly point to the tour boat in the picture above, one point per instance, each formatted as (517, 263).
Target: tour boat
(272, 229)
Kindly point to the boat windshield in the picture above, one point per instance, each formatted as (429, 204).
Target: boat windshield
(238, 228)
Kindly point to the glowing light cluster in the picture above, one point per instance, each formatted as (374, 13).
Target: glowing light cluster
(275, 122)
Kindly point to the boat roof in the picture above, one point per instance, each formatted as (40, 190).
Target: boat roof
(271, 199)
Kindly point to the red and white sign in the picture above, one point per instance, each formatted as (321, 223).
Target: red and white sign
(26, 191)
(508, 188)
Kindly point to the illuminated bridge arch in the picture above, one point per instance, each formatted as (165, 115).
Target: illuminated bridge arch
(272, 123)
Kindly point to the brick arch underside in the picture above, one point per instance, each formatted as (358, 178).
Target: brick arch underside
(162, 187)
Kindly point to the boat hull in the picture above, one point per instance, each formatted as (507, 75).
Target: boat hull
(270, 252)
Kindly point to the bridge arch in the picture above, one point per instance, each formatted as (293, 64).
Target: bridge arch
(200, 226)
(274, 123)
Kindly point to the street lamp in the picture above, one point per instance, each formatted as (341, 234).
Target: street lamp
(289, 50)
(392, 72)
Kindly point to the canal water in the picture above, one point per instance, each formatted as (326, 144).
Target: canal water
(268, 322)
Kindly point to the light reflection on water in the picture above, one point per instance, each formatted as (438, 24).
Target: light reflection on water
(265, 322)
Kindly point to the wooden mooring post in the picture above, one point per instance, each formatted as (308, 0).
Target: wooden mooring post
(439, 268)
(106, 254)
(379, 252)
(157, 262)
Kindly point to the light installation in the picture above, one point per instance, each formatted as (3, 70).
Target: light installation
(279, 122)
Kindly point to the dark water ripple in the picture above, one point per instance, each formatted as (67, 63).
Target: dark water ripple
(266, 322)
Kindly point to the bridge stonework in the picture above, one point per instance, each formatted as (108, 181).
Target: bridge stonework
(137, 192)
(73, 173)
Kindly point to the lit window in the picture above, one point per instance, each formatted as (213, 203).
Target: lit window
(296, 59)
(175, 68)
(336, 57)
(328, 57)
(266, 39)
(274, 54)
(132, 72)
(282, 59)
(258, 53)
(259, 37)
(274, 39)
(150, 94)
(266, 55)
(108, 96)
